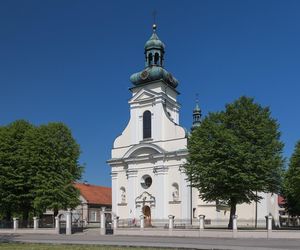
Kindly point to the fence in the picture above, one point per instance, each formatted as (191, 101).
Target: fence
(6, 224)
(191, 224)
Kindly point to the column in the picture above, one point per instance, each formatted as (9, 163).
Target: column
(16, 223)
(102, 221)
(35, 223)
(57, 227)
(68, 222)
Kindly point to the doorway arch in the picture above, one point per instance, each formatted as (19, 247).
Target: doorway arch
(147, 213)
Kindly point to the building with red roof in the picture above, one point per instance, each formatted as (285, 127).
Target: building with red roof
(93, 198)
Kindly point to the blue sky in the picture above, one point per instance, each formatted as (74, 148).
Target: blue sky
(70, 61)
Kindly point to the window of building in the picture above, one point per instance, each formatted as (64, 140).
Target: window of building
(93, 216)
(146, 181)
(194, 212)
(147, 124)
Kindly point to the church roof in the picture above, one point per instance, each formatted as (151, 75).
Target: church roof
(95, 194)
(154, 42)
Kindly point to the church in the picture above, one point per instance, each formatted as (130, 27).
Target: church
(147, 159)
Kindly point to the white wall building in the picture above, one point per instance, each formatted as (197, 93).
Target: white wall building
(147, 158)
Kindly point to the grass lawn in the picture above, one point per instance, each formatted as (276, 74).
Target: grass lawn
(25, 246)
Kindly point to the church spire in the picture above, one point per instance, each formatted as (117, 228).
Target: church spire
(196, 115)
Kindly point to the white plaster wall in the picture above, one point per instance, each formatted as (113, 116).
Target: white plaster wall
(164, 130)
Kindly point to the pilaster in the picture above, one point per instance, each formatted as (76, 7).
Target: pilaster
(161, 180)
(132, 189)
(114, 186)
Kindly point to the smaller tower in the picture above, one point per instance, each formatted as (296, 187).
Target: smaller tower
(196, 115)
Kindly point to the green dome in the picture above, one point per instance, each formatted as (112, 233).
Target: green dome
(154, 43)
(152, 74)
(154, 58)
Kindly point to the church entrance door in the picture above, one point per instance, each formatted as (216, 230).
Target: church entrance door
(147, 214)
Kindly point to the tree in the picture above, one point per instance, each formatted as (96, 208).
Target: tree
(53, 154)
(291, 184)
(38, 167)
(234, 154)
(15, 173)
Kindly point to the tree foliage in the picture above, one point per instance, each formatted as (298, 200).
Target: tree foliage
(38, 166)
(236, 153)
(291, 184)
(14, 171)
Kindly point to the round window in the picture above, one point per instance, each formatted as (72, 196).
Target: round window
(146, 181)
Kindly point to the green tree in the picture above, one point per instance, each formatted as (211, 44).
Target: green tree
(53, 154)
(15, 172)
(291, 184)
(38, 167)
(236, 153)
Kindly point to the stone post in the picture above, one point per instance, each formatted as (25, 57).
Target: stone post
(16, 223)
(116, 222)
(142, 221)
(269, 225)
(68, 222)
(102, 221)
(234, 226)
(35, 223)
(171, 224)
(201, 222)
(57, 227)
(171, 221)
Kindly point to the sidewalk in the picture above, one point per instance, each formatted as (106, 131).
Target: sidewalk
(93, 237)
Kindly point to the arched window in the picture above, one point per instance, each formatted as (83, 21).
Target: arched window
(150, 58)
(156, 58)
(147, 124)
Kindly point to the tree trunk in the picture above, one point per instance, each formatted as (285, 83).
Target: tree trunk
(232, 213)
(55, 213)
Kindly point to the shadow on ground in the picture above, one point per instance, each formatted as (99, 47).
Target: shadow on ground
(6, 238)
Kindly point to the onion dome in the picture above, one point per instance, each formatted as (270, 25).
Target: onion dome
(154, 73)
(154, 42)
(154, 58)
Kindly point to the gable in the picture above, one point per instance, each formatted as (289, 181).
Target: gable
(143, 95)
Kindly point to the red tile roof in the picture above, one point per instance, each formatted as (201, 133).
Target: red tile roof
(281, 200)
(95, 194)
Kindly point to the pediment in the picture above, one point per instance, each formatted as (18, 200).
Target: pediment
(145, 197)
(143, 95)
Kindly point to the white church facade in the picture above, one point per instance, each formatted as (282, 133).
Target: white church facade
(147, 159)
